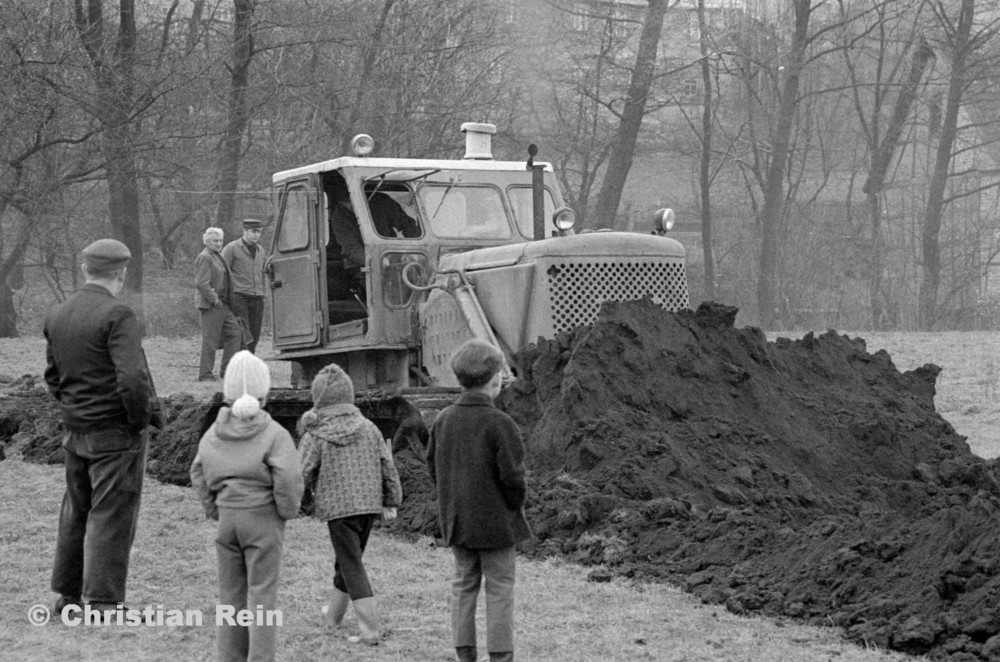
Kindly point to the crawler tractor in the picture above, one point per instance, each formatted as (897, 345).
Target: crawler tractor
(494, 257)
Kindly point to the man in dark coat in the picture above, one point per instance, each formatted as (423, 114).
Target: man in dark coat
(97, 370)
(213, 293)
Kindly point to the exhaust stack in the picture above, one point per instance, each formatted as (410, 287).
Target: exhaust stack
(477, 140)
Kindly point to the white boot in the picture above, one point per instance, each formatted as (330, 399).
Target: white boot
(367, 622)
(333, 613)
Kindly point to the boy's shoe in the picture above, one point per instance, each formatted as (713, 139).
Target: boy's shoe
(367, 639)
(466, 654)
(507, 656)
(367, 622)
(333, 612)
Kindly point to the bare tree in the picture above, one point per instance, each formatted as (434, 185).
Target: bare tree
(623, 149)
(961, 45)
(875, 60)
(113, 62)
(774, 184)
(48, 143)
(705, 162)
(231, 145)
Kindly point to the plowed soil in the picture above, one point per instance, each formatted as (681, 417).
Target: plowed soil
(808, 478)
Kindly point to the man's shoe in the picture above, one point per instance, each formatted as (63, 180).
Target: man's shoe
(107, 611)
(213, 378)
(65, 601)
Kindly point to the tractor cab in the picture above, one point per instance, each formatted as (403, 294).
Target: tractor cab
(348, 229)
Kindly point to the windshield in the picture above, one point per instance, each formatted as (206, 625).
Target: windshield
(521, 201)
(467, 211)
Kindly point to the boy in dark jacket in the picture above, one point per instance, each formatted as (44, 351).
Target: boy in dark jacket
(476, 460)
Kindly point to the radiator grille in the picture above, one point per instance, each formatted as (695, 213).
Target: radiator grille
(578, 289)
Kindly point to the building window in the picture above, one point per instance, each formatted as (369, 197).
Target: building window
(689, 91)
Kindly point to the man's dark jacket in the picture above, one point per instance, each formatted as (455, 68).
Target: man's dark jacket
(95, 364)
(476, 458)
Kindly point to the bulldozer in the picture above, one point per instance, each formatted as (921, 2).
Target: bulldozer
(385, 266)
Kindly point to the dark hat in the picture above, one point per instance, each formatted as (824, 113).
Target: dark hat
(252, 224)
(106, 255)
(332, 386)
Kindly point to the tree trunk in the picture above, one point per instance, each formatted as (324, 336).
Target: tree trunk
(231, 145)
(13, 262)
(881, 310)
(114, 71)
(931, 228)
(620, 161)
(704, 172)
(774, 185)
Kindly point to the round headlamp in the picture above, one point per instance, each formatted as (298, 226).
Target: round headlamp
(663, 219)
(362, 144)
(564, 219)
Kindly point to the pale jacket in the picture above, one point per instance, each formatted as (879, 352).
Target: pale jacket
(247, 463)
(247, 271)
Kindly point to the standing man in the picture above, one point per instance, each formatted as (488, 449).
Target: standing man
(213, 288)
(245, 258)
(96, 369)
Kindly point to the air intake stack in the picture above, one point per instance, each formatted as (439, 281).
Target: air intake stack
(477, 140)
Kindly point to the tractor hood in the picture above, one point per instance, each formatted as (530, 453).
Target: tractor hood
(600, 244)
(542, 288)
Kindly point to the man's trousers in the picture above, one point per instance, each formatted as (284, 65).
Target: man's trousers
(100, 510)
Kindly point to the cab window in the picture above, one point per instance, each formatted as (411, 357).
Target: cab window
(464, 211)
(395, 292)
(520, 202)
(393, 211)
(293, 231)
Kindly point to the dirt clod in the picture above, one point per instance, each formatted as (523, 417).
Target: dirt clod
(808, 479)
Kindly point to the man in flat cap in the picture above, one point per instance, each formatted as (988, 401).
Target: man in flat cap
(97, 371)
(213, 296)
(245, 257)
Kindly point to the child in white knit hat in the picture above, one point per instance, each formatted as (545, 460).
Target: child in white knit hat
(248, 476)
(347, 464)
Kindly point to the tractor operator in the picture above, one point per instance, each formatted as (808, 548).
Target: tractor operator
(390, 221)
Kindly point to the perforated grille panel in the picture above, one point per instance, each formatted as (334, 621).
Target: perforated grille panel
(577, 289)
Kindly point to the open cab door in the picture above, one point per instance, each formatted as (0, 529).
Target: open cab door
(294, 267)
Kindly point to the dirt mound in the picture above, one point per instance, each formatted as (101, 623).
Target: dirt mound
(804, 478)
(808, 478)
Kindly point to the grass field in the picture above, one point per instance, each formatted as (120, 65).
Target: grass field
(561, 616)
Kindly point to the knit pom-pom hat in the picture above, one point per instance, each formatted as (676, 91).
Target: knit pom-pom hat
(332, 386)
(247, 382)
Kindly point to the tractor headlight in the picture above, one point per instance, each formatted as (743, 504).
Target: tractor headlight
(564, 219)
(663, 220)
(362, 144)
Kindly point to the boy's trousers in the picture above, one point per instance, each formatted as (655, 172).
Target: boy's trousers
(248, 546)
(496, 566)
(349, 536)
